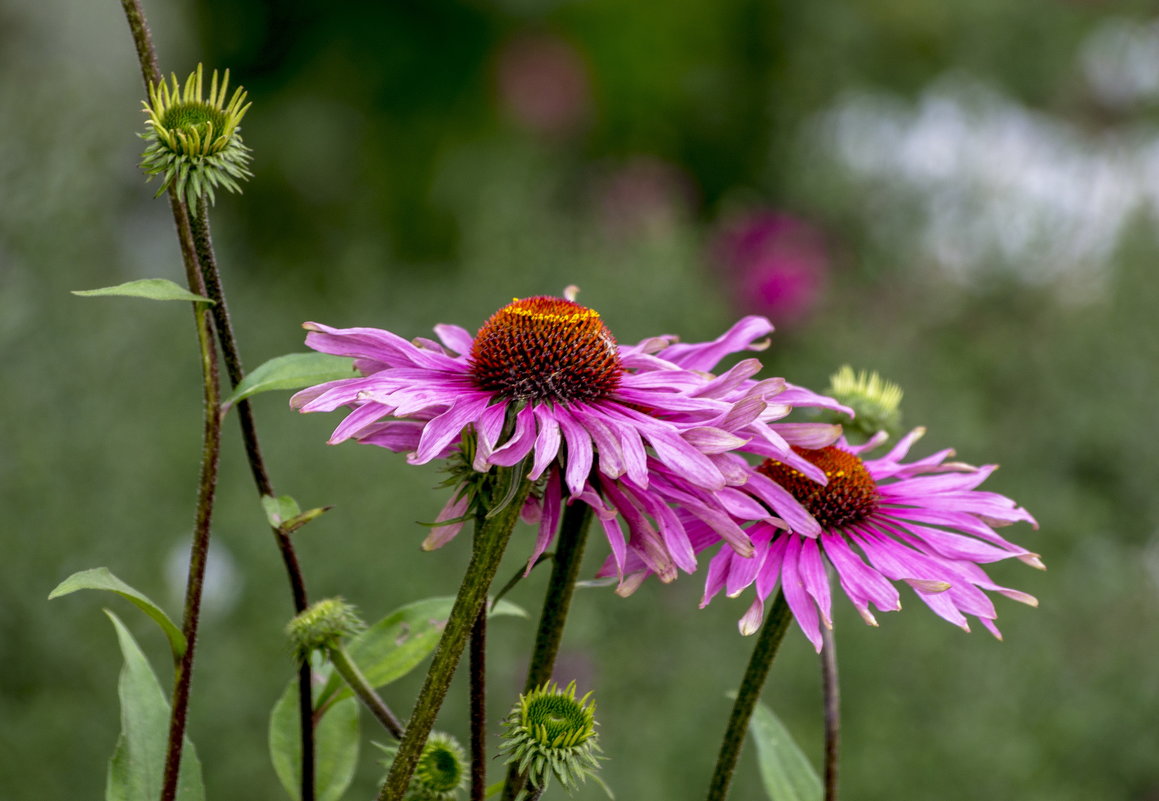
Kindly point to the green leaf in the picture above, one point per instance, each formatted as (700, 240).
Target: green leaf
(137, 767)
(785, 771)
(336, 745)
(151, 288)
(292, 371)
(100, 578)
(280, 509)
(283, 513)
(397, 644)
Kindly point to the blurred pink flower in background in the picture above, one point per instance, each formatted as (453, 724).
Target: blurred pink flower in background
(643, 194)
(774, 264)
(542, 83)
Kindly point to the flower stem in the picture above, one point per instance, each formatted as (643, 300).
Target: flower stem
(560, 588)
(198, 555)
(365, 692)
(832, 711)
(764, 651)
(490, 542)
(477, 665)
(211, 440)
(207, 261)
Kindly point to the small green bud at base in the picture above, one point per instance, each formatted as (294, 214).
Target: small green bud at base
(550, 732)
(441, 771)
(322, 627)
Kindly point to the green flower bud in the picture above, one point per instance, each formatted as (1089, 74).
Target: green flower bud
(874, 401)
(550, 732)
(194, 143)
(441, 772)
(322, 626)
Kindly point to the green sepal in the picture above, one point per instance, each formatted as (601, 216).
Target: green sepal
(101, 578)
(336, 744)
(292, 371)
(150, 288)
(786, 772)
(137, 767)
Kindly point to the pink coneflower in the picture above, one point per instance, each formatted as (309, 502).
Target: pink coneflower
(629, 430)
(543, 84)
(882, 521)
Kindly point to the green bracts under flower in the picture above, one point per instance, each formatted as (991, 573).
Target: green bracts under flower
(194, 143)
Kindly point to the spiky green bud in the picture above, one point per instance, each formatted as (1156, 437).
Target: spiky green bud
(550, 732)
(322, 626)
(194, 143)
(875, 401)
(441, 772)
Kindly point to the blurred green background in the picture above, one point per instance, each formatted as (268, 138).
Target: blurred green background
(959, 195)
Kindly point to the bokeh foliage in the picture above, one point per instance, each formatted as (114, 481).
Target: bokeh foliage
(392, 188)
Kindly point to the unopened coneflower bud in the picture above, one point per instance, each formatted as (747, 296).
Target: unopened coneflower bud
(322, 626)
(194, 144)
(874, 401)
(441, 772)
(551, 732)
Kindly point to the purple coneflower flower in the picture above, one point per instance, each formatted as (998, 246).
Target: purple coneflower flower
(632, 431)
(882, 521)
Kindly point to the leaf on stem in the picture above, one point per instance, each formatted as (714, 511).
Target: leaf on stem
(397, 644)
(292, 371)
(101, 578)
(785, 770)
(150, 288)
(137, 767)
(335, 740)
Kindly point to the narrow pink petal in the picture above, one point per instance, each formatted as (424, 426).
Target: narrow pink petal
(487, 430)
(521, 442)
(793, 584)
(750, 622)
(784, 504)
(811, 569)
(808, 435)
(400, 436)
(546, 443)
(447, 427)
(706, 355)
(442, 533)
(549, 518)
(579, 450)
(456, 338)
(357, 420)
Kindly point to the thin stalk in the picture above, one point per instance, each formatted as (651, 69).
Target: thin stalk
(565, 567)
(211, 441)
(764, 652)
(198, 556)
(832, 711)
(477, 669)
(365, 692)
(207, 260)
(491, 540)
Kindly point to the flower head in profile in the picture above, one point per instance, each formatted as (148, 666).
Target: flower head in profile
(194, 144)
(923, 523)
(630, 430)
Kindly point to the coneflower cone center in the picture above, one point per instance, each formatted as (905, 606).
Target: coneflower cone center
(550, 716)
(185, 115)
(850, 496)
(546, 348)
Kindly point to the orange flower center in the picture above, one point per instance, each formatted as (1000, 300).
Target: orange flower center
(545, 348)
(850, 496)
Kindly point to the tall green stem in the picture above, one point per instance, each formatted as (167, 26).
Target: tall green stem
(764, 652)
(492, 534)
(565, 567)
